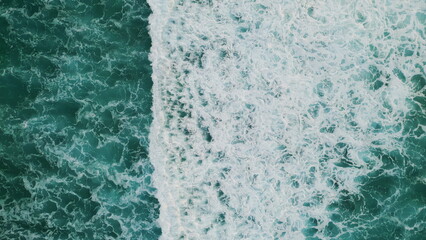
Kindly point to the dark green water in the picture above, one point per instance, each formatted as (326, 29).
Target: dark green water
(74, 115)
(391, 200)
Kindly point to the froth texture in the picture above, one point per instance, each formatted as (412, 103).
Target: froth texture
(289, 119)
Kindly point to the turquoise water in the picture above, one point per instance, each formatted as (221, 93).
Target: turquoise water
(74, 117)
(200, 119)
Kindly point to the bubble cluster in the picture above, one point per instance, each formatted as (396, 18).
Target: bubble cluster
(289, 119)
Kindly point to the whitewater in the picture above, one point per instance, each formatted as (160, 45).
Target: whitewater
(278, 119)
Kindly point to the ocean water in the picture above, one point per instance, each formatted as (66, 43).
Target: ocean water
(278, 119)
(212, 119)
(74, 118)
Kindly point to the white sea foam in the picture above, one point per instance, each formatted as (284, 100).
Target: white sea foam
(264, 111)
